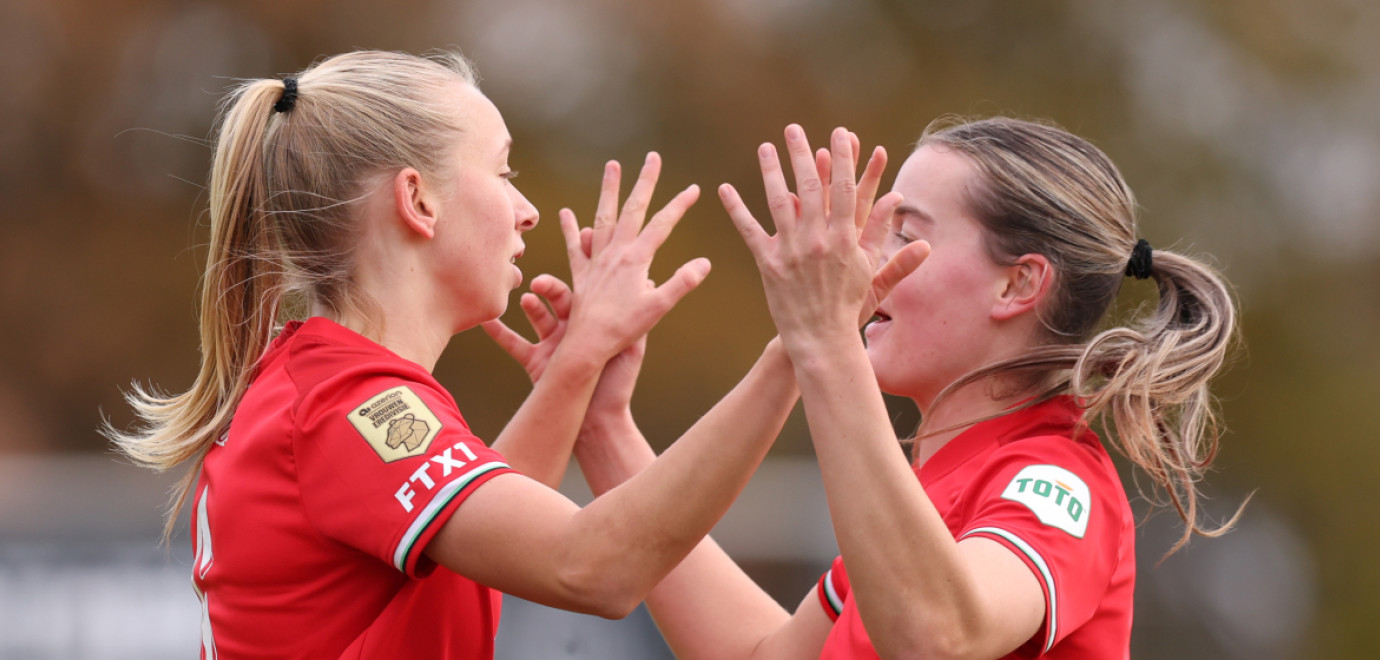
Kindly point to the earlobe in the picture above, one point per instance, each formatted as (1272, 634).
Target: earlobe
(1026, 284)
(415, 207)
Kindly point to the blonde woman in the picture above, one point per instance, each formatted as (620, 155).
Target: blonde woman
(1006, 533)
(362, 212)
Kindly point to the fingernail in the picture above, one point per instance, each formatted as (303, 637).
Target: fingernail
(765, 150)
(795, 132)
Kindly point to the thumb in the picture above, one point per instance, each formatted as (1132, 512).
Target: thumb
(685, 279)
(900, 265)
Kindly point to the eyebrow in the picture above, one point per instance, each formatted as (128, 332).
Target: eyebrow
(908, 211)
(507, 146)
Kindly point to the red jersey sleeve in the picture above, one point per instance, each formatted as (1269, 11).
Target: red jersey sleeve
(1061, 509)
(833, 589)
(383, 460)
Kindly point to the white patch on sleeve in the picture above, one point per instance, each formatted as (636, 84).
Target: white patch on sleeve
(1057, 497)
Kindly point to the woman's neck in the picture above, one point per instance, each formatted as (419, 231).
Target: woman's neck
(407, 309)
(956, 414)
(412, 336)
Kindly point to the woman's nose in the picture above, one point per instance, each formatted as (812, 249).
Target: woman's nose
(526, 214)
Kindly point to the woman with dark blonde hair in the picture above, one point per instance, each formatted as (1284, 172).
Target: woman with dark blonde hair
(362, 213)
(1007, 532)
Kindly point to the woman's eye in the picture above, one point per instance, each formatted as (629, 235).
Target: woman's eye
(902, 238)
(510, 175)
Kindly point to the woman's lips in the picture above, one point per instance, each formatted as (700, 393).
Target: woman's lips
(878, 323)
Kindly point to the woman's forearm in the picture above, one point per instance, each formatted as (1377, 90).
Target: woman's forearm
(707, 607)
(911, 582)
(537, 441)
(612, 449)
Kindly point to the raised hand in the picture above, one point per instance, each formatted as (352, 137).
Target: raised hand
(547, 308)
(599, 257)
(549, 324)
(614, 301)
(608, 313)
(821, 270)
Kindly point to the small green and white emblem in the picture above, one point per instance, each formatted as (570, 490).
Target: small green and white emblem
(1057, 497)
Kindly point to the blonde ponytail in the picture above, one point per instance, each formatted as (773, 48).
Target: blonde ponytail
(1150, 382)
(282, 190)
(1042, 190)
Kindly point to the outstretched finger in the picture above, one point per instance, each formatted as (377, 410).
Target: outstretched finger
(685, 279)
(901, 264)
(538, 315)
(587, 240)
(511, 342)
(606, 214)
(868, 185)
(878, 221)
(573, 250)
(635, 209)
(753, 235)
(843, 188)
(783, 206)
(556, 293)
(808, 184)
(660, 226)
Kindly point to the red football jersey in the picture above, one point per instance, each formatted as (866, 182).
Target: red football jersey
(342, 462)
(1032, 481)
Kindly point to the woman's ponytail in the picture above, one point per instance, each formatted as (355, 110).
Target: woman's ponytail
(240, 295)
(1150, 381)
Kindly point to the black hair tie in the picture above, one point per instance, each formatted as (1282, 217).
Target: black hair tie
(289, 97)
(1141, 263)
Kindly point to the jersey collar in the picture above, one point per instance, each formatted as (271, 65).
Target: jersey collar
(324, 328)
(1059, 415)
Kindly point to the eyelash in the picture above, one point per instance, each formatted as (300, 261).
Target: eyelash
(509, 175)
(905, 240)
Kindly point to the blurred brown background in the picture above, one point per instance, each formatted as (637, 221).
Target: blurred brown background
(1248, 128)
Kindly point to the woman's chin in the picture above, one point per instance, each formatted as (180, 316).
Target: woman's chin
(876, 354)
(880, 368)
(892, 381)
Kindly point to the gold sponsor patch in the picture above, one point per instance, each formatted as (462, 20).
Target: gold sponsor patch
(396, 424)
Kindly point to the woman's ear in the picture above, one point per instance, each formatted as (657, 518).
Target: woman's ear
(1027, 282)
(414, 203)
